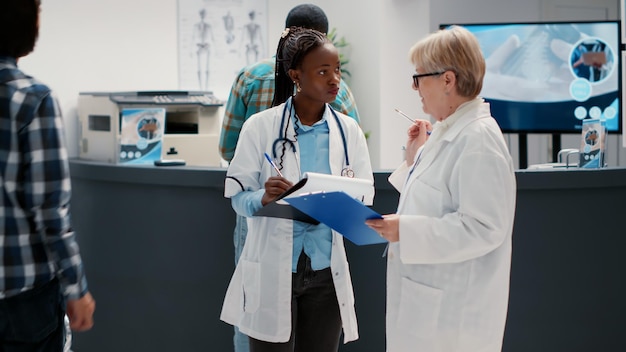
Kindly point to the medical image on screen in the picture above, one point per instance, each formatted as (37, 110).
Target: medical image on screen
(549, 77)
(593, 60)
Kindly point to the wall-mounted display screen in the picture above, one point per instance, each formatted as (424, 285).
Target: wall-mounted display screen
(548, 77)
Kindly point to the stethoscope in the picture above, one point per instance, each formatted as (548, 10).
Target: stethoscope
(346, 171)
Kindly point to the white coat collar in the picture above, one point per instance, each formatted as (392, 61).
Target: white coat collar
(451, 126)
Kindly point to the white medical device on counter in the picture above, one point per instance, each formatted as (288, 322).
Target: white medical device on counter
(191, 132)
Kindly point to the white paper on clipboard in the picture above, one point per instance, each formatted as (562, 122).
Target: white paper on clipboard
(313, 182)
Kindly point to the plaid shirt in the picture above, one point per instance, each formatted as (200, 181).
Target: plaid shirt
(36, 241)
(253, 91)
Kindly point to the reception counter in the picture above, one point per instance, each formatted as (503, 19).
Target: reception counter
(158, 250)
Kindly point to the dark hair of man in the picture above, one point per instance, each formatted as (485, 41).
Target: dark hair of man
(19, 27)
(307, 16)
(294, 44)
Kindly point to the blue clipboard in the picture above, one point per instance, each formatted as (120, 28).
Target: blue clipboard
(341, 213)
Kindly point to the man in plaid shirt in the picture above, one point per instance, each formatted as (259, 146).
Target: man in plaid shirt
(253, 91)
(41, 272)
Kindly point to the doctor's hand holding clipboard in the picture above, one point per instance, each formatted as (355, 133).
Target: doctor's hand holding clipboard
(387, 227)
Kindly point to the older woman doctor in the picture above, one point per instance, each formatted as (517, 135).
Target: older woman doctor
(450, 252)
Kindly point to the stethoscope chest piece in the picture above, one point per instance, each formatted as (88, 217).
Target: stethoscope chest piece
(347, 172)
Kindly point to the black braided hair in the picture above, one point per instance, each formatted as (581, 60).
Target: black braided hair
(295, 43)
(296, 128)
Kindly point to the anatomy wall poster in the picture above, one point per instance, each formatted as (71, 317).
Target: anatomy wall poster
(216, 39)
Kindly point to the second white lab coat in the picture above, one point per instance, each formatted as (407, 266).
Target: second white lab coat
(258, 299)
(448, 276)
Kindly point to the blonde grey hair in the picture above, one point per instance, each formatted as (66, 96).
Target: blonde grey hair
(454, 49)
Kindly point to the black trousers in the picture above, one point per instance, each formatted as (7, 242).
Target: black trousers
(33, 321)
(315, 317)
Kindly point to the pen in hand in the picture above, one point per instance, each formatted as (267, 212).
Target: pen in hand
(405, 115)
(273, 165)
(410, 119)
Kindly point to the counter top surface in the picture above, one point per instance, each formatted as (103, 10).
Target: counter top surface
(191, 176)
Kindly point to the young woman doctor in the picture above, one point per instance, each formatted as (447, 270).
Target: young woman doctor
(291, 290)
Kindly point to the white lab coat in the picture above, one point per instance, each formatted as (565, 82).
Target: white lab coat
(258, 299)
(448, 275)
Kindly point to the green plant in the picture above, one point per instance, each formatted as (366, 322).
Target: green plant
(340, 43)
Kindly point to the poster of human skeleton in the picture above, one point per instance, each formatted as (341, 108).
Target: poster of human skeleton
(216, 39)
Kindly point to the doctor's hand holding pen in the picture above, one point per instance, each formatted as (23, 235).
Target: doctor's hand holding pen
(418, 135)
(275, 185)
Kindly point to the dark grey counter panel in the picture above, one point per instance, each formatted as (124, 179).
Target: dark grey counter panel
(158, 250)
(568, 275)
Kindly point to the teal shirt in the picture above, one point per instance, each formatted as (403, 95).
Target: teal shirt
(314, 240)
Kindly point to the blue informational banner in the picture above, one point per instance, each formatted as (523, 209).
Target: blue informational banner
(593, 144)
(141, 137)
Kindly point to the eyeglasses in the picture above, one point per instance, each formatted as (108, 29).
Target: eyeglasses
(417, 76)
